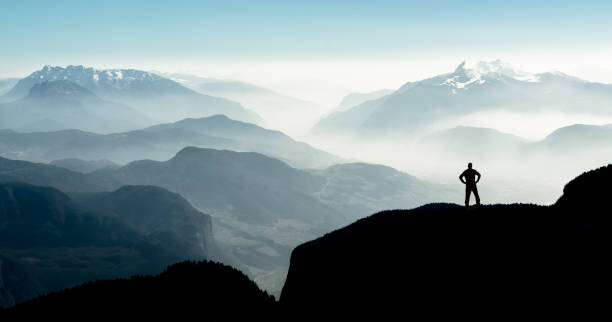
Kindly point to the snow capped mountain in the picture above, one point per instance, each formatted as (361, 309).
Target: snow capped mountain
(498, 69)
(62, 104)
(58, 88)
(467, 76)
(80, 74)
(153, 95)
(107, 82)
(469, 89)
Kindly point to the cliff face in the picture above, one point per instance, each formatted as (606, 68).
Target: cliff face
(442, 258)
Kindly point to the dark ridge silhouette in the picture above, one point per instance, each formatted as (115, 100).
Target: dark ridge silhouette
(48, 175)
(585, 200)
(83, 166)
(444, 260)
(187, 289)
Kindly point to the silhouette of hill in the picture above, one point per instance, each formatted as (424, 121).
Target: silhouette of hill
(62, 241)
(494, 259)
(214, 179)
(182, 290)
(256, 139)
(358, 189)
(354, 99)
(279, 111)
(472, 143)
(155, 212)
(78, 165)
(61, 104)
(161, 142)
(577, 138)
(51, 176)
(6, 84)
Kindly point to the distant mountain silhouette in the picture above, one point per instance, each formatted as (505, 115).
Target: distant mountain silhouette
(154, 96)
(443, 260)
(61, 104)
(355, 99)
(279, 111)
(487, 86)
(6, 84)
(577, 137)
(257, 187)
(78, 165)
(61, 241)
(161, 142)
(256, 139)
(358, 189)
(183, 290)
(261, 99)
(473, 143)
(51, 176)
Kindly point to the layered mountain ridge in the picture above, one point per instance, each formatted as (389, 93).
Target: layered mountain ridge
(487, 86)
(152, 95)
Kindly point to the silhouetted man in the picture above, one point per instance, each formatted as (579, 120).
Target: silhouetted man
(470, 182)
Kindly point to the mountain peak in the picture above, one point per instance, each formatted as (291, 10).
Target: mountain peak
(58, 88)
(468, 75)
(498, 68)
(460, 68)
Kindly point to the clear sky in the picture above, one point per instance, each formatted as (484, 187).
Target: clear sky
(394, 40)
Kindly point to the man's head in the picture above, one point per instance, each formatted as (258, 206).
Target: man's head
(470, 165)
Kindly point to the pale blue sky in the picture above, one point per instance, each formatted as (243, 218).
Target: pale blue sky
(170, 33)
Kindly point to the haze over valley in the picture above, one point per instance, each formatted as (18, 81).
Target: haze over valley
(281, 152)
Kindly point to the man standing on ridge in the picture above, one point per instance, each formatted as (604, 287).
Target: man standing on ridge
(470, 182)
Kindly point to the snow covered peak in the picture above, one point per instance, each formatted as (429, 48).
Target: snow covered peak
(498, 68)
(460, 68)
(468, 75)
(79, 73)
(91, 78)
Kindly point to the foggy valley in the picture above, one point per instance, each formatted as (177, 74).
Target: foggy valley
(300, 179)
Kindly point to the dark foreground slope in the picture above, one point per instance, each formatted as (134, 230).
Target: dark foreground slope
(50, 241)
(442, 259)
(188, 289)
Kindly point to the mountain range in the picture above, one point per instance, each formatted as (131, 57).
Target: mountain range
(283, 112)
(154, 96)
(58, 105)
(261, 207)
(487, 261)
(78, 165)
(6, 84)
(488, 86)
(354, 99)
(161, 142)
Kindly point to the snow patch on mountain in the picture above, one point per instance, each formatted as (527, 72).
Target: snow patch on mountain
(465, 76)
(78, 74)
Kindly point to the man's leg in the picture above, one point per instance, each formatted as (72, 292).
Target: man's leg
(467, 195)
(476, 195)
